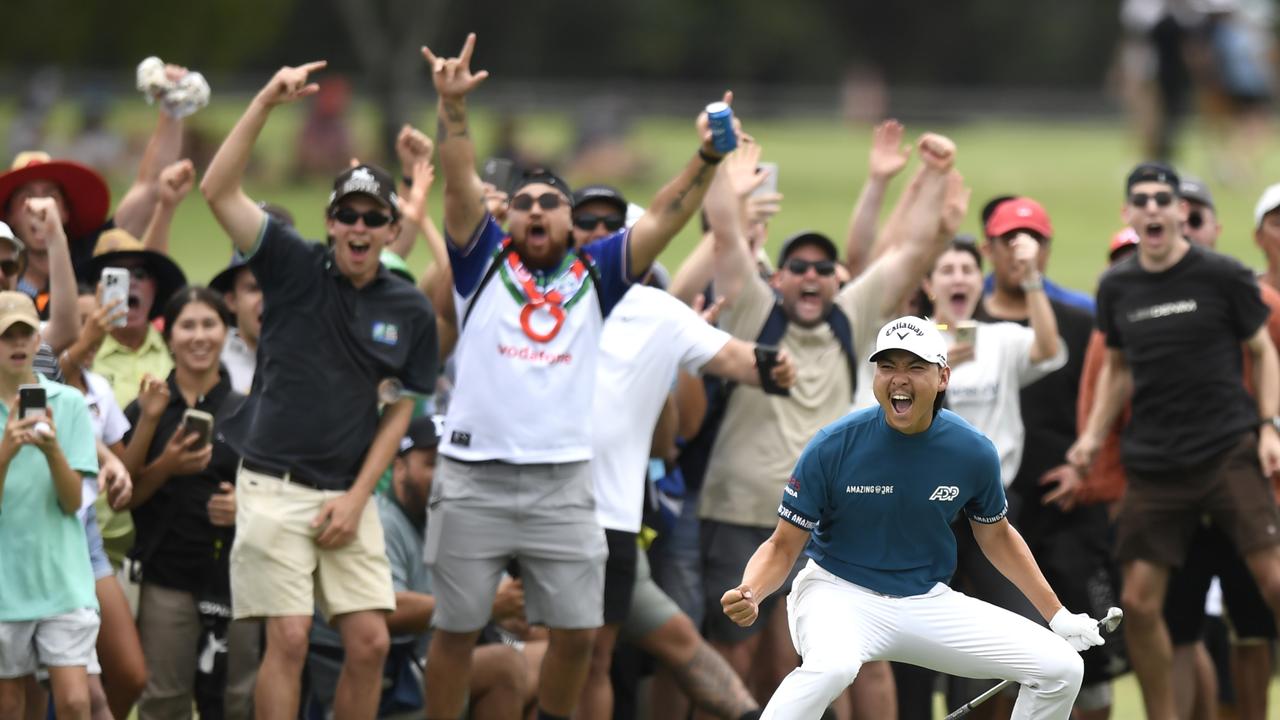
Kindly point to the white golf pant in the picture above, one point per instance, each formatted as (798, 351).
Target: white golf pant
(837, 626)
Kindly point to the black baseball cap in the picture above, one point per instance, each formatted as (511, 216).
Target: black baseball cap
(1153, 172)
(1194, 189)
(603, 193)
(545, 177)
(365, 179)
(807, 237)
(423, 434)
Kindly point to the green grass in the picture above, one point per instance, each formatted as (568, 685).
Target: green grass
(1075, 170)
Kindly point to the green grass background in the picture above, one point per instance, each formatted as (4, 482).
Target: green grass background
(1076, 170)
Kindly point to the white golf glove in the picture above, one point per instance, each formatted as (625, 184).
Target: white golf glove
(1078, 629)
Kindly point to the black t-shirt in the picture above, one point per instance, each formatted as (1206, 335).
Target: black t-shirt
(176, 541)
(324, 347)
(1181, 331)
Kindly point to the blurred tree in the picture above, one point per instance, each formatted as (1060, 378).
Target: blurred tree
(386, 36)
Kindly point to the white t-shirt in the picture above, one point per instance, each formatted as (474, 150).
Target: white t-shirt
(646, 337)
(240, 360)
(109, 422)
(523, 391)
(984, 390)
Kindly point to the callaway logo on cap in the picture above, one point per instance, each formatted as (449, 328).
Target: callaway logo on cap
(916, 335)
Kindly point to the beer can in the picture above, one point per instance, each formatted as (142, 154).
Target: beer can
(720, 118)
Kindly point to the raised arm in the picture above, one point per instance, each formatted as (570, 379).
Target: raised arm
(463, 192)
(1115, 384)
(888, 157)
(64, 320)
(676, 202)
(414, 149)
(734, 264)
(176, 181)
(163, 148)
(935, 206)
(1044, 324)
(697, 270)
(239, 216)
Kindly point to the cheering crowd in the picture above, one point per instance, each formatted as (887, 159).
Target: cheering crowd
(323, 485)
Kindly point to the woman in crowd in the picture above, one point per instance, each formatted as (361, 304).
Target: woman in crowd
(184, 509)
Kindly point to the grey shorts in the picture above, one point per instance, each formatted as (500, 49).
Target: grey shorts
(650, 607)
(65, 640)
(481, 515)
(726, 549)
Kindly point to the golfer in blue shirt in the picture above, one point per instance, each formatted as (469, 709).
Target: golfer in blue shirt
(871, 502)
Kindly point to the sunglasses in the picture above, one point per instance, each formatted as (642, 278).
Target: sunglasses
(825, 268)
(371, 218)
(1195, 219)
(1162, 198)
(546, 201)
(587, 221)
(10, 268)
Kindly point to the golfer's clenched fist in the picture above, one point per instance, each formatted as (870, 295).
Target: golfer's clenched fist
(740, 605)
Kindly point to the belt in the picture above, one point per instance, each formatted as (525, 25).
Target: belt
(286, 475)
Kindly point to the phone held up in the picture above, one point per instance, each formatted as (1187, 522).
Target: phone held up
(766, 361)
(200, 423)
(115, 291)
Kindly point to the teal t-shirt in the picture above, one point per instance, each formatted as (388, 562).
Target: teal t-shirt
(880, 503)
(44, 556)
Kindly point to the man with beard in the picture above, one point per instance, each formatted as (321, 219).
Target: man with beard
(335, 325)
(514, 478)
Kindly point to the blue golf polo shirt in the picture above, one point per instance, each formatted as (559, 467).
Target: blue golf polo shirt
(880, 503)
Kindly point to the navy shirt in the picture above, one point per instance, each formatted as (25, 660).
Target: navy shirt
(325, 346)
(880, 503)
(1181, 331)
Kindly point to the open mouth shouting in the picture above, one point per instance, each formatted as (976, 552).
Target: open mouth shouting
(360, 250)
(901, 403)
(1153, 231)
(810, 300)
(537, 237)
(958, 303)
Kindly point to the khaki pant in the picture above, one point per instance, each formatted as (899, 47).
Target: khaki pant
(169, 626)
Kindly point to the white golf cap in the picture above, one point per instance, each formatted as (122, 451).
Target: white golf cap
(1269, 201)
(916, 335)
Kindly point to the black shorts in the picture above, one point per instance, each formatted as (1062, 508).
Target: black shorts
(1212, 553)
(619, 575)
(726, 549)
(1161, 510)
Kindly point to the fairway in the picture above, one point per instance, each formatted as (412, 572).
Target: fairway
(1076, 170)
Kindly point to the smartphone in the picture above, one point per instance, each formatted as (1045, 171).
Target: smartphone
(200, 423)
(497, 172)
(766, 361)
(966, 332)
(31, 401)
(770, 184)
(115, 291)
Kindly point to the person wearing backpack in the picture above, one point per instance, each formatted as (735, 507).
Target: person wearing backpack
(803, 310)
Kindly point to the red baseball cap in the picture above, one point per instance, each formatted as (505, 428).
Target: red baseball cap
(1019, 214)
(1127, 237)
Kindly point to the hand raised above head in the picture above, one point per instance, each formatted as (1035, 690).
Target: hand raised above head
(937, 152)
(888, 155)
(452, 77)
(291, 83)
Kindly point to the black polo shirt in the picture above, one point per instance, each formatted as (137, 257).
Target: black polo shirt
(324, 347)
(176, 541)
